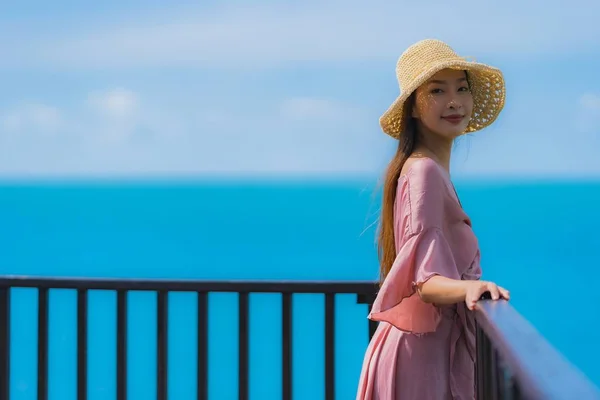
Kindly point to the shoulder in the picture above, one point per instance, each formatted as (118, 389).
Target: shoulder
(424, 174)
(423, 193)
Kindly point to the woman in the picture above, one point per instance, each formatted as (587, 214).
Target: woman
(424, 346)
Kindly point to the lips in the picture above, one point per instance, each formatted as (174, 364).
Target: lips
(454, 118)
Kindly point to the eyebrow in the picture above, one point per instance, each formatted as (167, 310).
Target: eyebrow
(444, 82)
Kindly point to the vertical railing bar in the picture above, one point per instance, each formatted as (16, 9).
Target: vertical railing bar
(509, 390)
(122, 344)
(5, 343)
(162, 348)
(82, 308)
(243, 346)
(489, 369)
(287, 346)
(368, 298)
(202, 382)
(501, 377)
(372, 324)
(516, 391)
(42, 339)
(493, 373)
(481, 359)
(485, 365)
(372, 328)
(329, 346)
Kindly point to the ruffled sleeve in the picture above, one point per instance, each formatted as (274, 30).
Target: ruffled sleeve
(423, 251)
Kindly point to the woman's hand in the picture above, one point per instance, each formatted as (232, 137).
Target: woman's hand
(475, 289)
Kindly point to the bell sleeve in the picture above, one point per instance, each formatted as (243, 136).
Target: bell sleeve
(423, 253)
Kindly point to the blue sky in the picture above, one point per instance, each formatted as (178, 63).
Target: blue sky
(294, 88)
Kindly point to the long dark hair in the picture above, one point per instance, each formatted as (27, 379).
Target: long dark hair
(406, 145)
(407, 142)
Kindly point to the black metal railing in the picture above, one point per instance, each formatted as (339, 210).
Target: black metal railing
(365, 292)
(515, 362)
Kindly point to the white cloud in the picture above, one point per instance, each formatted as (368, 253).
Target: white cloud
(105, 118)
(114, 116)
(121, 132)
(352, 31)
(115, 103)
(590, 102)
(588, 119)
(310, 108)
(118, 115)
(31, 117)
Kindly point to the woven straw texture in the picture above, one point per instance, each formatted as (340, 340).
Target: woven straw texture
(425, 58)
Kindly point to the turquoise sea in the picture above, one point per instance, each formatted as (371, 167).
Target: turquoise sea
(538, 239)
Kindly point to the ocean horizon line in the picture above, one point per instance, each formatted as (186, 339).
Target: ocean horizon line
(279, 179)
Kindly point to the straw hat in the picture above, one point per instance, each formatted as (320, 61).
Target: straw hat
(425, 58)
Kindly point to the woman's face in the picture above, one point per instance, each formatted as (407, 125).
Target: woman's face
(443, 104)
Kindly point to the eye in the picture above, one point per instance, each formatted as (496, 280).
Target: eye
(436, 91)
(464, 89)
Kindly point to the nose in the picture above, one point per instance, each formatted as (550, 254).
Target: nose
(454, 104)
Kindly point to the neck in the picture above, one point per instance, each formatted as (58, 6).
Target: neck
(436, 147)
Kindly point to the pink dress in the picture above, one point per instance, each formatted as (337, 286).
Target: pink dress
(421, 351)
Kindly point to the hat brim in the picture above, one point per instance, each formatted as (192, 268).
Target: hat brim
(487, 87)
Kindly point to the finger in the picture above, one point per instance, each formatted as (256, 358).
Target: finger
(505, 293)
(471, 304)
(493, 291)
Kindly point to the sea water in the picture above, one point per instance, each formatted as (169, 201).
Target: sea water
(538, 239)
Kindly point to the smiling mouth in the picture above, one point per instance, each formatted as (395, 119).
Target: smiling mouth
(454, 118)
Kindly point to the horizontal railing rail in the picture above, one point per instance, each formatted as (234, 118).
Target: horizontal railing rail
(515, 362)
(364, 290)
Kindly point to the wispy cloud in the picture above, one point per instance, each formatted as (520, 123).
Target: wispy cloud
(108, 116)
(588, 119)
(259, 36)
(310, 108)
(590, 102)
(114, 116)
(119, 131)
(115, 103)
(31, 118)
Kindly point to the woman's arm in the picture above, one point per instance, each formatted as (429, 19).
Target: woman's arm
(441, 290)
